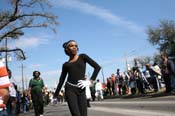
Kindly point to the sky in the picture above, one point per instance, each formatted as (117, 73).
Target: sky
(109, 31)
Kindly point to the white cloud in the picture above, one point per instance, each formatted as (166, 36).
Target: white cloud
(35, 66)
(52, 73)
(99, 12)
(30, 42)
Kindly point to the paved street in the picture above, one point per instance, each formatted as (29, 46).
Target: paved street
(142, 106)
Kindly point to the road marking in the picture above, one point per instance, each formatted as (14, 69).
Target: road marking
(134, 102)
(132, 112)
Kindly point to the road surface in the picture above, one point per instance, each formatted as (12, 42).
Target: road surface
(142, 106)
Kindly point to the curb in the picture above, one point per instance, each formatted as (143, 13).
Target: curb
(149, 94)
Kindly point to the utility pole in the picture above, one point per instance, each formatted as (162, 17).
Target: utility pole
(126, 55)
(103, 74)
(26, 82)
(126, 61)
(6, 60)
(22, 70)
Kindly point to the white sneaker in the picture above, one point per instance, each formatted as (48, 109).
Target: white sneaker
(41, 115)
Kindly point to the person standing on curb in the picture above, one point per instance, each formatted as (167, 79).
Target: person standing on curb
(75, 86)
(36, 89)
(99, 90)
(170, 70)
(11, 103)
(4, 89)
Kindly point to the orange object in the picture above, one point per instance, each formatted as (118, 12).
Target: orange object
(2, 106)
(3, 71)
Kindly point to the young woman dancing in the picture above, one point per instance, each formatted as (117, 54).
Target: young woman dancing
(75, 68)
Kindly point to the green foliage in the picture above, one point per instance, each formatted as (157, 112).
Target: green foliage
(163, 36)
(24, 14)
(157, 58)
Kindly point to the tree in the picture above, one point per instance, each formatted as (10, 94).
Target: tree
(157, 59)
(22, 14)
(163, 36)
(25, 14)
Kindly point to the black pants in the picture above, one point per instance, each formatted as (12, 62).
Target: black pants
(76, 99)
(133, 91)
(11, 110)
(120, 89)
(88, 103)
(38, 103)
(167, 81)
(140, 86)
(155, 84)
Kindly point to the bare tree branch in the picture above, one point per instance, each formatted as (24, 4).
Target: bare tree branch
(10, 18)
(14, 50)
(22, 14)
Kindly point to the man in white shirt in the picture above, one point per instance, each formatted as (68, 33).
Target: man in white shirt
(98, 88)
(11, 103)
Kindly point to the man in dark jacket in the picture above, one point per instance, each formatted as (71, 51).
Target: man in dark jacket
(170, 70)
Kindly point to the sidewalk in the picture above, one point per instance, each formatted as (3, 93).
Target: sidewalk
(160, 93)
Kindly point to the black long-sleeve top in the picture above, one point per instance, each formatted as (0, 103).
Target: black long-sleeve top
(76, 70)
(171, 66)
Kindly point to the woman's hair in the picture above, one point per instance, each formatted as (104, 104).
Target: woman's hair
(35, 72)
(66, 45)
(164, 54)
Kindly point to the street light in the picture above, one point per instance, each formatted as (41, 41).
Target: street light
(103, 74)
(22, 74)
(19, 52)
(126, 54)
(12, 50)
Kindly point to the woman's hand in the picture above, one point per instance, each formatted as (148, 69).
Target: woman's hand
(83, 83)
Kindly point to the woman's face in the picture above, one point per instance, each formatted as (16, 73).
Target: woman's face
(163, 57)
(72, 48)
(36, 74)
